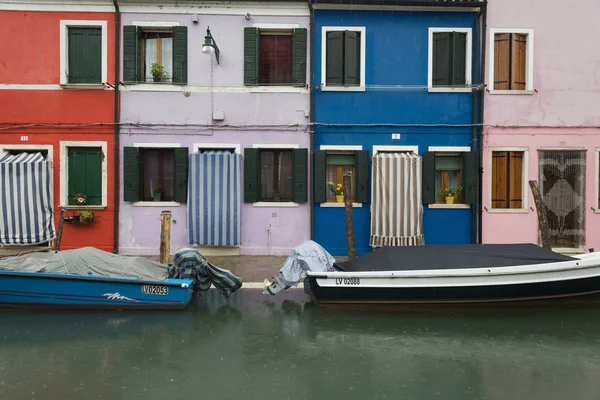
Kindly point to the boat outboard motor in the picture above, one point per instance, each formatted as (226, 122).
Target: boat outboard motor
(308, 256)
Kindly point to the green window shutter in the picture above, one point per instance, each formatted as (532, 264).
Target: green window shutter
(299, 57)
(181, 156)
(251, 170)
(470, 178)
(334, 73)
(352, 58)
(459, 53)
(180, 50)
(131, 174)
(132, 54)
(251, 56)
(320, 176)
(363, 189)
(428, 187)
(85, 174)
(85, 55)
(300, 179)
(442, 64)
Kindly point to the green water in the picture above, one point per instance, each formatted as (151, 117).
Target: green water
(259, 347)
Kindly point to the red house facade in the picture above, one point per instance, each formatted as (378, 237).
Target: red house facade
(57, 94)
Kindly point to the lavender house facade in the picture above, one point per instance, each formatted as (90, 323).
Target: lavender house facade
(214, 127)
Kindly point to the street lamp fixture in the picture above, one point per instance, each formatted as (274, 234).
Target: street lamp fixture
(210, 44)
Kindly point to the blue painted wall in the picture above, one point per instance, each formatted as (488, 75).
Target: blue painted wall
(396, 55)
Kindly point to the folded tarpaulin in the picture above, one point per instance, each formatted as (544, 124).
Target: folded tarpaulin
(26, 213)
(189, 263)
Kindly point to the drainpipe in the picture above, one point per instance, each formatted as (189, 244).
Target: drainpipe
(116, 129)
(311, 120)
(481, 115)
(474, 146)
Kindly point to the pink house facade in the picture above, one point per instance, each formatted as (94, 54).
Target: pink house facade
(541, 123)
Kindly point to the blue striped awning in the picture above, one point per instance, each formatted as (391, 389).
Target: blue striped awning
(214, 199)
(26, 212)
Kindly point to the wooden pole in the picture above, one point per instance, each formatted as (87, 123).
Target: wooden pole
(165, 237)
(60, 228)
(347, 188)
(541, 213)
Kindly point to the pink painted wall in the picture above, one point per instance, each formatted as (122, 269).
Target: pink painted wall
(562, 112)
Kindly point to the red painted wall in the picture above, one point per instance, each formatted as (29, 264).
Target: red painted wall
(30, 55)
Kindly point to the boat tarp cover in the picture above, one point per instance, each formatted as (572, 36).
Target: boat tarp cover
(87, 261)
(430, 257)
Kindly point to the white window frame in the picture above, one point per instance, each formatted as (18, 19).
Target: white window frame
(274, 204)
(468, 62)
(216, 146)
(157, 203)
(597, 185)
(525, 182)
(528, 63)
(340, 148)
(449, 149)
(363, 57)
(64, 172)
(64, 51)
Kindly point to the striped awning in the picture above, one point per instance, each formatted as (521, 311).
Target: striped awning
(26, 212)
(214, 199)
(396, 209)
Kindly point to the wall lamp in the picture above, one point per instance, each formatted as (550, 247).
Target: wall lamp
(210, 44)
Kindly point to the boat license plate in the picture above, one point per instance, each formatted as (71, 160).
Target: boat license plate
(148, 289)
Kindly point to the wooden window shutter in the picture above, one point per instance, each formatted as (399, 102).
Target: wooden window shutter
(181, 158)
(352, 58)
(251, 171)
(131, 174)
(470, 178)
(499, 179)
(442, 65)
(85, 174)
(299, 57)
(334, 59)
(132, 54)
(180, 56)
(300, 177)
(501, 61)
(85, 55)
(320, 176)
(459, 58)
(516, 179)
(519, 61)
(251, 58)
(363, 189)
(428, 185)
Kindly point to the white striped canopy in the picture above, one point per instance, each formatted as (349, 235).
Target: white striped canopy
(26, 212)
(396, 209)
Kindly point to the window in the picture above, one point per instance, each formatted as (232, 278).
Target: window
(83, 169)
(507, 179)
(339, 164)
(275, 175)
(275, 57)
(155, 173)
(448, 175)
(511, 70)
(163, 47)
(330, 165)
(83, 52)
(343, 57)
(450, 55)
(452, 168)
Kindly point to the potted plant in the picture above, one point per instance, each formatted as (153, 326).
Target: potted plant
(337, 190)
(276, 196)
(80, 198)
(157, 194)
(86, 217)
(157, 71)
(450, 193)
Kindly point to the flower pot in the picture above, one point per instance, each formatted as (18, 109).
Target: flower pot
(450, 200)
(339, 198)
(157, 78)
(156, 196)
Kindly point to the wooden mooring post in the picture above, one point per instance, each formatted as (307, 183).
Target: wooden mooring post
(347, 188)
(165, 237)
(542, 215)
(60, 229)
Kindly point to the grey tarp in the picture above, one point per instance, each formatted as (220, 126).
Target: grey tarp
(308, 256)
(451, 256)
(85, 261)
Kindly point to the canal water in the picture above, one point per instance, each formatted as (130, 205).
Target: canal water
(281, 347)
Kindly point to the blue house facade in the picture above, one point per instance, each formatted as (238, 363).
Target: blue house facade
(396, 105)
